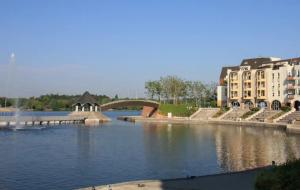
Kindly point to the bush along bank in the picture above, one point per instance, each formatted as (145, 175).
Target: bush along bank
(282, 177)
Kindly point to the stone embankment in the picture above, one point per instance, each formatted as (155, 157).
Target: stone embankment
(91, 118)
(232, 181)
(185, 120)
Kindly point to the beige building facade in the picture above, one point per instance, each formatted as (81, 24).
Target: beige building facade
(261, 82)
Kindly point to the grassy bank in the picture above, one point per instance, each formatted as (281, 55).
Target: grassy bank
(249, 113)
(282, 177)
(180, 110)
(220, 112)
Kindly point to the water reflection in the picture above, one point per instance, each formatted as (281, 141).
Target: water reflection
(236, 148)
(240, 148)
(70, 157)
(178, 150)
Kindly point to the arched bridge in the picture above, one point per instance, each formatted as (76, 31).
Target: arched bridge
(149, 107)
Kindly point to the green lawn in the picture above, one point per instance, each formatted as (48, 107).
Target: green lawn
(180, 110)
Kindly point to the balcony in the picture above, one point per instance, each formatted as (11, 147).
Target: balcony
(261, 88)
(261, 97)
(291, 96)
(291, 78)
(291, 86)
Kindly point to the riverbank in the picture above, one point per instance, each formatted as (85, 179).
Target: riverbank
(232, 181)
(186, 120)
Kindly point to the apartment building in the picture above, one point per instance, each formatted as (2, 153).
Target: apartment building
(261, 82)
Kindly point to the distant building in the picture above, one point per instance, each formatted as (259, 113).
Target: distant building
(261, 82)
(86, 103)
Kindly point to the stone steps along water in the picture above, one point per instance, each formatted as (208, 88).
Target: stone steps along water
(235, 114)
(265, 115)
(205, 113)
(291, 117)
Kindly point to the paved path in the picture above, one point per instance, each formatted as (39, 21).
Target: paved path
(232, 181)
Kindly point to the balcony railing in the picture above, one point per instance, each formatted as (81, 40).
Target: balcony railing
(290, 78)
(291, 86)
(291, 96)
(261, 97)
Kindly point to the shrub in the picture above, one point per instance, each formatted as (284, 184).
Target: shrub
(254, 109)
(221, 112)
(282, 177)
(286, 108)
(251, 112)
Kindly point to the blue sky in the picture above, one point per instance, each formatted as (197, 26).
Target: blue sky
(112, 47)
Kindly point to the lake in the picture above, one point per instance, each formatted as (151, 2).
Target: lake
(74, 156)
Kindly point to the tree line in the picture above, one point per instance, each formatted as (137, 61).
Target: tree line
(51, 102)
(175, 90)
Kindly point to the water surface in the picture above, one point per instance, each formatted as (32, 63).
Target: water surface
(74, 156)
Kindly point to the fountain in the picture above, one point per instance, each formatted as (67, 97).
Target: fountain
(13, 93)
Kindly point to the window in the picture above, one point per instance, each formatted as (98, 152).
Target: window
(278, 92)
(278, 75)
(273, 76)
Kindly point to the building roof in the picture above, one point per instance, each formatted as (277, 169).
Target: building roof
(291, 60)
(254, 63)
(86, 98)
(224, 73)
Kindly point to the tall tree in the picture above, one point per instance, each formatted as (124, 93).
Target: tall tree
(196, 91)
(173, 87)
(150, 89)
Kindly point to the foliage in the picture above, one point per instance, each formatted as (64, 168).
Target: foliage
(286, 108)
(179, 110)
(116, 97)
(154, 88)
(249, 113)
(278, 115)
(172, 89)
(282, 177)
(9, 102)
(221, 112)
(52, 102)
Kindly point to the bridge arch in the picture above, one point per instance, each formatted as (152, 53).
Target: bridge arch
(149, 107)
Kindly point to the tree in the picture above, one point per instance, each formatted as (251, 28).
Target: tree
(150, 89)
(116, 97)
(173, 87)
(211, 92)
(196, 91)
(153, 88)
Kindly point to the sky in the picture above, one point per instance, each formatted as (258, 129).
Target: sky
(113, 47)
